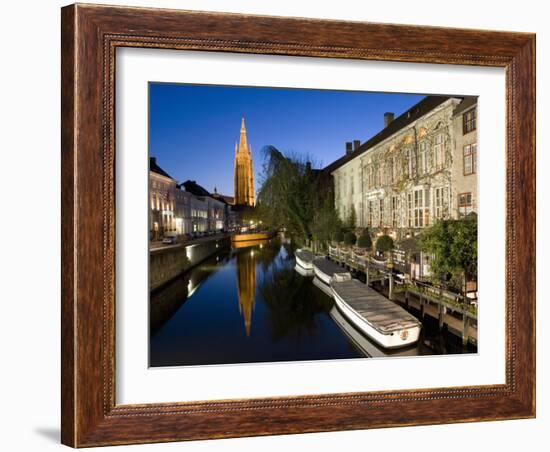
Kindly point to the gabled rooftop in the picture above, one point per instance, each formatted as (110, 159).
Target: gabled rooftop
(155, 168)
(412, 114)
(192, 187)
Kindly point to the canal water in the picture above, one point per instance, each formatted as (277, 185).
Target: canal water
(249, 304)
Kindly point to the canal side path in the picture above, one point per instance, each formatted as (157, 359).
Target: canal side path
(158, 245)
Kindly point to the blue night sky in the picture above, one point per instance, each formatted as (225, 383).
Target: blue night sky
(193, 128)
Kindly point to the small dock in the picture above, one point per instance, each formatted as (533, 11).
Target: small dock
(451, 310)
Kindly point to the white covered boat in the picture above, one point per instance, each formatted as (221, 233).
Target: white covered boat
(365, 345)
(322, 286)
(302, 271)
(386, 323)
(328, 271)
(304, 260)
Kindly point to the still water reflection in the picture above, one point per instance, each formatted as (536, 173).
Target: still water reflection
(249, 305)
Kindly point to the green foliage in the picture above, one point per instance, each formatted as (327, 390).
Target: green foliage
(350, 238)
(352, 218)
(248, 214)
(326, 223)
(338, 236)
(384, 243)
(286, 199)
(364, 241)
(292, 197)
(453, 243)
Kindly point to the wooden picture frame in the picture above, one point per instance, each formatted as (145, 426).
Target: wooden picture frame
(90, 36)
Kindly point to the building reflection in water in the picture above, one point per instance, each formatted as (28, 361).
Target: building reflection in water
(164, 302)
(246, 284)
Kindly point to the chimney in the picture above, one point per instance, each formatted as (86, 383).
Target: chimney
(388, 118)
(356, 144)
(349, 147)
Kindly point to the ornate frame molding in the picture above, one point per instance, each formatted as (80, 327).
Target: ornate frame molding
(90, 37)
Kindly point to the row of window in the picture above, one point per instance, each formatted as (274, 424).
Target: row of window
(378, 178)
(159, 185)
(396, 167)
(160, 203)
(418, 209)
(196, 213)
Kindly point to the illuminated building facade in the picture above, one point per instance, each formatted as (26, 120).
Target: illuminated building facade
(420, 168)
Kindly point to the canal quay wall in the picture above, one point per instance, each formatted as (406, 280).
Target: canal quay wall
(166, 263)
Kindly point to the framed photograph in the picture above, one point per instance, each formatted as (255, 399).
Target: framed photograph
(282, 225)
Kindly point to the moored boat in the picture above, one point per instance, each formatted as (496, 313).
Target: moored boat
(302, 271)
(304, 259)
(322, 286)
(328, 271)
(365, 345)
(386, 323)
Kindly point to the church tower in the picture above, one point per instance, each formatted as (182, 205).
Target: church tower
(244, 171)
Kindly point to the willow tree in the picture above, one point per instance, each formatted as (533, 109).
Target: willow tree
(326, 223)
(291, 198)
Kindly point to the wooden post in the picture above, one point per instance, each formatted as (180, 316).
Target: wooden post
(390, 291)
(440, 315)
(407, 296)
(465, 328)
(367, 274)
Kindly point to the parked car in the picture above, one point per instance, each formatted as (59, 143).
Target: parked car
(170, 239)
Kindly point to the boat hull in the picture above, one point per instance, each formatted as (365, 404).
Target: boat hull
(362, 342)
(328, 272)
(303, 271)
(322, 286)
(395, 339)
(322, 276)
(304, 264)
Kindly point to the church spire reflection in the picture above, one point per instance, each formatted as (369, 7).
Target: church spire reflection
(246, 285)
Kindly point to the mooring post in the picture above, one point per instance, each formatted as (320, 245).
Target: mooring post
(390, 291)
(367, 274)
(465, 328)
(441, 313)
